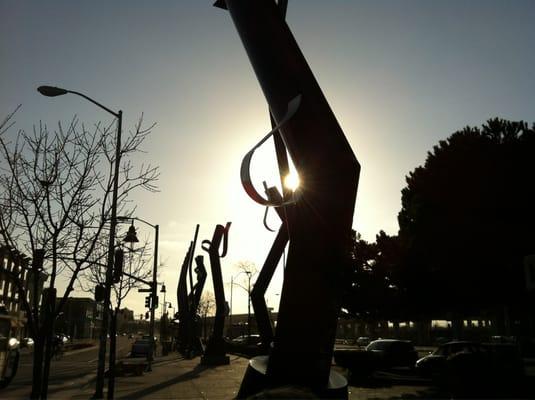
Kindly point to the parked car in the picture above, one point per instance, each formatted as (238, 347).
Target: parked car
(393, 353)
(140, 348)
(379, 354)
(363, 341)
(147, 337)
(246, 345)
(9, 349)
(64, 338)
(27, 343)
(470, 360)
(247, 340)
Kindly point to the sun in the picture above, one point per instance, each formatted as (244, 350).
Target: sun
(291, 181)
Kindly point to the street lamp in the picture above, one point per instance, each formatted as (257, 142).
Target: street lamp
(52, 91)
(153, 286)
(170, 306)
(163, 290)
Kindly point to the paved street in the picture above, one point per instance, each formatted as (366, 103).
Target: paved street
(176, 378)
(74, 367)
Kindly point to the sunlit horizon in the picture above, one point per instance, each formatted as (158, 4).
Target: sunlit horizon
(399, 76)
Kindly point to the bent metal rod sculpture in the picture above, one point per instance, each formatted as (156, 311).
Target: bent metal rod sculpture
(188, 339)
(319, 224)
(215, 349)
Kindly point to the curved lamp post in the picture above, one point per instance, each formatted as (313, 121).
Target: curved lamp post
(52, 91)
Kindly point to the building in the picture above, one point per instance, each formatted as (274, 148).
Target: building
(17, 276)
(124, 316)
(81, 318)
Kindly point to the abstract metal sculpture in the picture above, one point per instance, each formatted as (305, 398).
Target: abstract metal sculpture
(215, 349)
(186, 321)
(318, 224)
(195, 345)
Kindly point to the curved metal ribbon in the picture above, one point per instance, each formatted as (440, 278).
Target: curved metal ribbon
(245, 171)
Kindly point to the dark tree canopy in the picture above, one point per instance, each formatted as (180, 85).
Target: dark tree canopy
(375, 288)
(468, 217)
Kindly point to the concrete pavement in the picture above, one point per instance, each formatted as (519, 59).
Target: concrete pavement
(173, 377)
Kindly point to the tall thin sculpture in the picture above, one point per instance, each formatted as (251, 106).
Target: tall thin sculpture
(183, 306)
(194, 346)
(185, 322)
(215, 349)
(319, 226)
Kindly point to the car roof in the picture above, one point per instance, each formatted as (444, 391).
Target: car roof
(391, 341)
(460, 342)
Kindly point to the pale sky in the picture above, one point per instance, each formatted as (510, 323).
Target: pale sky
(399, 75)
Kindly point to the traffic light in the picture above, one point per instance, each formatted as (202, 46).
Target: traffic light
(147, 315)
(38, 259)
(147, 301)
(118, 265)
(156, 302)
(99, 293)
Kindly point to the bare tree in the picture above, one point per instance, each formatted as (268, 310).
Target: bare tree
(206, 308)
(247, 268)
(55, 200)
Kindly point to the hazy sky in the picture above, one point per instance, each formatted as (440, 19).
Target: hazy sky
(399, 75)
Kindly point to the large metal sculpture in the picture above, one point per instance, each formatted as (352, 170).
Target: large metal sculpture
(195, 346)
(317, 224)
(215, 349)
(188, 339)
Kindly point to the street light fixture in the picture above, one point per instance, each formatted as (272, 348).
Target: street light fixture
(51, 91)
(131, 235)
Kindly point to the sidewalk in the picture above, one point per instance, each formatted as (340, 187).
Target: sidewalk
(172, 377)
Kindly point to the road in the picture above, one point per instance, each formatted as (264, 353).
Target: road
(63, 372)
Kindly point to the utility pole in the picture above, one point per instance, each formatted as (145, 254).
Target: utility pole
(248, 303)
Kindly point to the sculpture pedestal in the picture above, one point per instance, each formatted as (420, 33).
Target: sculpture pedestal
(256, 381)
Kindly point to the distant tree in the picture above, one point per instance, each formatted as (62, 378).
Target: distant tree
(375, 288)
(137, 265)
(206, 308)
(248, 267)
(55, 196)
(467, 218)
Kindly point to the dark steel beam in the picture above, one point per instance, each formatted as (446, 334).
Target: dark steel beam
(320, 224)
(215, 349)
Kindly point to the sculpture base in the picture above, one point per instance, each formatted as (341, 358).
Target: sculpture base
(213, 360)
(255, 381)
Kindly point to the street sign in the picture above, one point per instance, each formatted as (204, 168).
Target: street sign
(144, 290)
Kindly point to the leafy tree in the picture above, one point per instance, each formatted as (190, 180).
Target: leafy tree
(375, 286)
(467, 217)
(55, 196)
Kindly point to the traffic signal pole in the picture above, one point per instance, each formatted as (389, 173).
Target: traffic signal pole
(154, 300)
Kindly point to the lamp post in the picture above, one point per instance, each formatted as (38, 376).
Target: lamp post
(153, 286)
(163, 290)
(52, 91)
(172, 308)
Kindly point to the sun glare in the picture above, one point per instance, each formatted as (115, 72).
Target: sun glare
(291, 181)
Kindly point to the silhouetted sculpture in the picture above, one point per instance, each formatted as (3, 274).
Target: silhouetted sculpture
(319, 224)
(215, 349)
(195, 346)
(186, 321)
